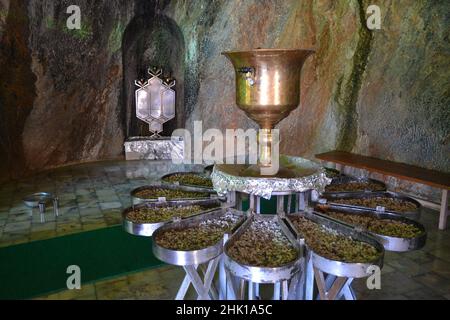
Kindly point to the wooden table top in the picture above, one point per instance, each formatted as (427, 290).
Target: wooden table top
(399, 170)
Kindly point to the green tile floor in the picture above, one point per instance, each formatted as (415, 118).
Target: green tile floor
(93, 195)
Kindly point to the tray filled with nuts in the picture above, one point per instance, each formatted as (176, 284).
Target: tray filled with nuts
(345, 185)
(395, 232)
(333, 173)
(195, 240)
(143, 219)
(337, 248)
(190, 179)
(390, 202)
(153, 193)
(263, 250)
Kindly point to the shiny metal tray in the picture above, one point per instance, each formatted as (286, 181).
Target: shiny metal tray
(334, 267)
(147, 229)
(347, 179)
(207, 189)
(262, 274)
(333, 205)
(137, 200)
(195, 257)
(295, 175)
(390, 243)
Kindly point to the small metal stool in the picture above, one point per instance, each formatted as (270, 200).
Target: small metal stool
(40, 200)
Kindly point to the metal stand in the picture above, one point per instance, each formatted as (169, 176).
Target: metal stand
(332, 287)
(329, 287)
(240, 288)
(41, 206)
(301, 201)
(204, 287)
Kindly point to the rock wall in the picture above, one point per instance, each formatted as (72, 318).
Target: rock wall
(383, 93)
(403, 107)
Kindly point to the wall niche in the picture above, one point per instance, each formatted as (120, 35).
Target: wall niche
(152, 40)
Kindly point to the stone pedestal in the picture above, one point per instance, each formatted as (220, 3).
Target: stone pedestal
(162, 148)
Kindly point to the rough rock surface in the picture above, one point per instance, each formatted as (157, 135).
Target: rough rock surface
(65, 96)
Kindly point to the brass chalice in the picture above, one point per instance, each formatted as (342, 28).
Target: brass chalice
(267, 90)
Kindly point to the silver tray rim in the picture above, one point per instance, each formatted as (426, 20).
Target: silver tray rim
(390, 243)
(415, 215)
(346, 179)
(336, 267)
(137, 200)
(187, 185)
(147, 229)
(193, 257)
(255, 273)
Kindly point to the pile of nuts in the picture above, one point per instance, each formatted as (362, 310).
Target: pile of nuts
(159, 192)
(205, 234)
(333, 245)
(354, 186)
(190, 179)
(263, 244)
(144, 214)
(332, 173)
(385, 227)
(391, 204)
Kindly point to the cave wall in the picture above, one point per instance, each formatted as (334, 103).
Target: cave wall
(152, 41)
(383, 93)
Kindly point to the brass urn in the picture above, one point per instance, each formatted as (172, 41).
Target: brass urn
(268, 87)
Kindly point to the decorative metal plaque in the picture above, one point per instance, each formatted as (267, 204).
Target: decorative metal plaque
(155, 101)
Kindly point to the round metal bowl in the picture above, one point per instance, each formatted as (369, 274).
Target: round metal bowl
(335, 267)
(390, 243)
(147, 229)
(137, 200)
(330, 198)
(347, 179)
(207, 189)
(34, 199)
(262, 274)
(194, 257)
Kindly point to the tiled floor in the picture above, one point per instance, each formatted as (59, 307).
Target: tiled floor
(93, 195)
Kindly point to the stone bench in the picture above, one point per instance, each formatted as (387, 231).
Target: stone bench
(400, 171)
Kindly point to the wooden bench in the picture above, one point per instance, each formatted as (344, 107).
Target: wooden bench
(398, 170)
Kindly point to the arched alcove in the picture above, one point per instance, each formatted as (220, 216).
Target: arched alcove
(152, 40)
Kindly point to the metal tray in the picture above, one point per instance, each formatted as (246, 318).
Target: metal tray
(334, 267)
(347, 179)
(390, 243)
(262, 274)
(337, 173)
(195, 257)
(207, 189)
(413, 214)
(147, 229)
(34, 199)
(136, 200)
